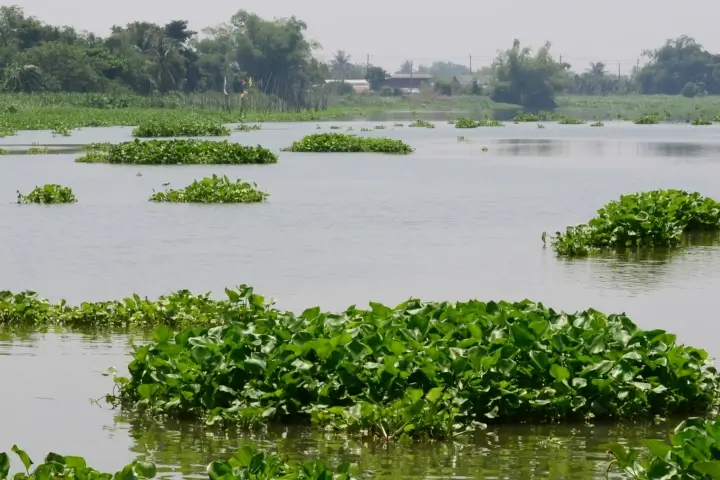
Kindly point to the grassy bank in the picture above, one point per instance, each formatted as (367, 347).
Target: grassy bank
(61, 112)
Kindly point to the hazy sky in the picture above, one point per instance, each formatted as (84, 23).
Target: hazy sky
(391, 31)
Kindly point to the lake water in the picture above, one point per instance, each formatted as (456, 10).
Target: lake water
(449, 222)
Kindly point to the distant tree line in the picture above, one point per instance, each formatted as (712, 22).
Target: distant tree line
(278, 58)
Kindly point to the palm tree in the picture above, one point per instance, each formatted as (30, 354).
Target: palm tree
(340, 64)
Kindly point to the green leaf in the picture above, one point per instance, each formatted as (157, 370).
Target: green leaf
(163, 334)
(434, 394)
(522, 335)
(145, 469)
(559, 372)
(4, 465)
(24, 458)
(709, 467)
(657, 448)
(75, 462)
(215, 470)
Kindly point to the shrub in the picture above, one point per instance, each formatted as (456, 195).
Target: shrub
(650, 219)
(700, 121)
(342, 142)
(420, 369)
(47, 194)
(571, 121)
(193, 128)
(181, 151)
(213, 190)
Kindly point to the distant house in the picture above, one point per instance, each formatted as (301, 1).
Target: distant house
(360, 86)
(410, 81)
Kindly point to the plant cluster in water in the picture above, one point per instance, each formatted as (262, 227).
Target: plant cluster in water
(342, 142)
(470, 123)
(25, 310)
(177, 128)
(38, 150)
(213, 190)
(248, 463)
(656, 218)
(421, 370)
(48, 194)
(526, 117)
(421, 124)
(693, 453)
(244, 127)
(651, 119)
(597, 124)
(700, 121)
(179, 151)
(570, 121)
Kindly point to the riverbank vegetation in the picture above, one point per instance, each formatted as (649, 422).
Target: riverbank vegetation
(420, 370)
(657, 218)
(48, 194)
(179, 151)
(343, 142)
(187, 128)
(286, 77)
(213, 190)
(692, 453)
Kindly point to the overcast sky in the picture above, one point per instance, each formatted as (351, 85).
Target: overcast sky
(391, 31)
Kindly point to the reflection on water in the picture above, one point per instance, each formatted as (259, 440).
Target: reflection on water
(643, 271)
(512, 452)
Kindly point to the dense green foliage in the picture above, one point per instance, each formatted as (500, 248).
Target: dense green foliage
(180, 151)
(419, 369)
(213, 190)
(420, 123)
(342, 142)
(700, 121)
(656, 218)
(529, 80)
(570, 121)
(526, 117)
(647, 120)
(470, 123)
(171, 128)
(25, 310)
(70, 468)
(47, 194)
(248, 463)
(145, 57)
(693, 453)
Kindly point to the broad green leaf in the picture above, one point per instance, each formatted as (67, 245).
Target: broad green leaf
(145, 469)
(559, 372)
(24, 458)
(709, 467)
(162, 334)
(4, 465)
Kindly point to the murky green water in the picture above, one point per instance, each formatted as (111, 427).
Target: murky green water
(448, 222)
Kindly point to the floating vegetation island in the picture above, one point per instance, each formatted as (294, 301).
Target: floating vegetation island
(213, 190)
(180, 128)
(342, 142)
(656, 218)
(420, 370)
(178, 151)
(48, 194)
(419, 123)
(470, 123)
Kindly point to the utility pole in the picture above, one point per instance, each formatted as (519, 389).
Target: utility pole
(411, 69)
(367, 64)
(618, 70)
(471, 64)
